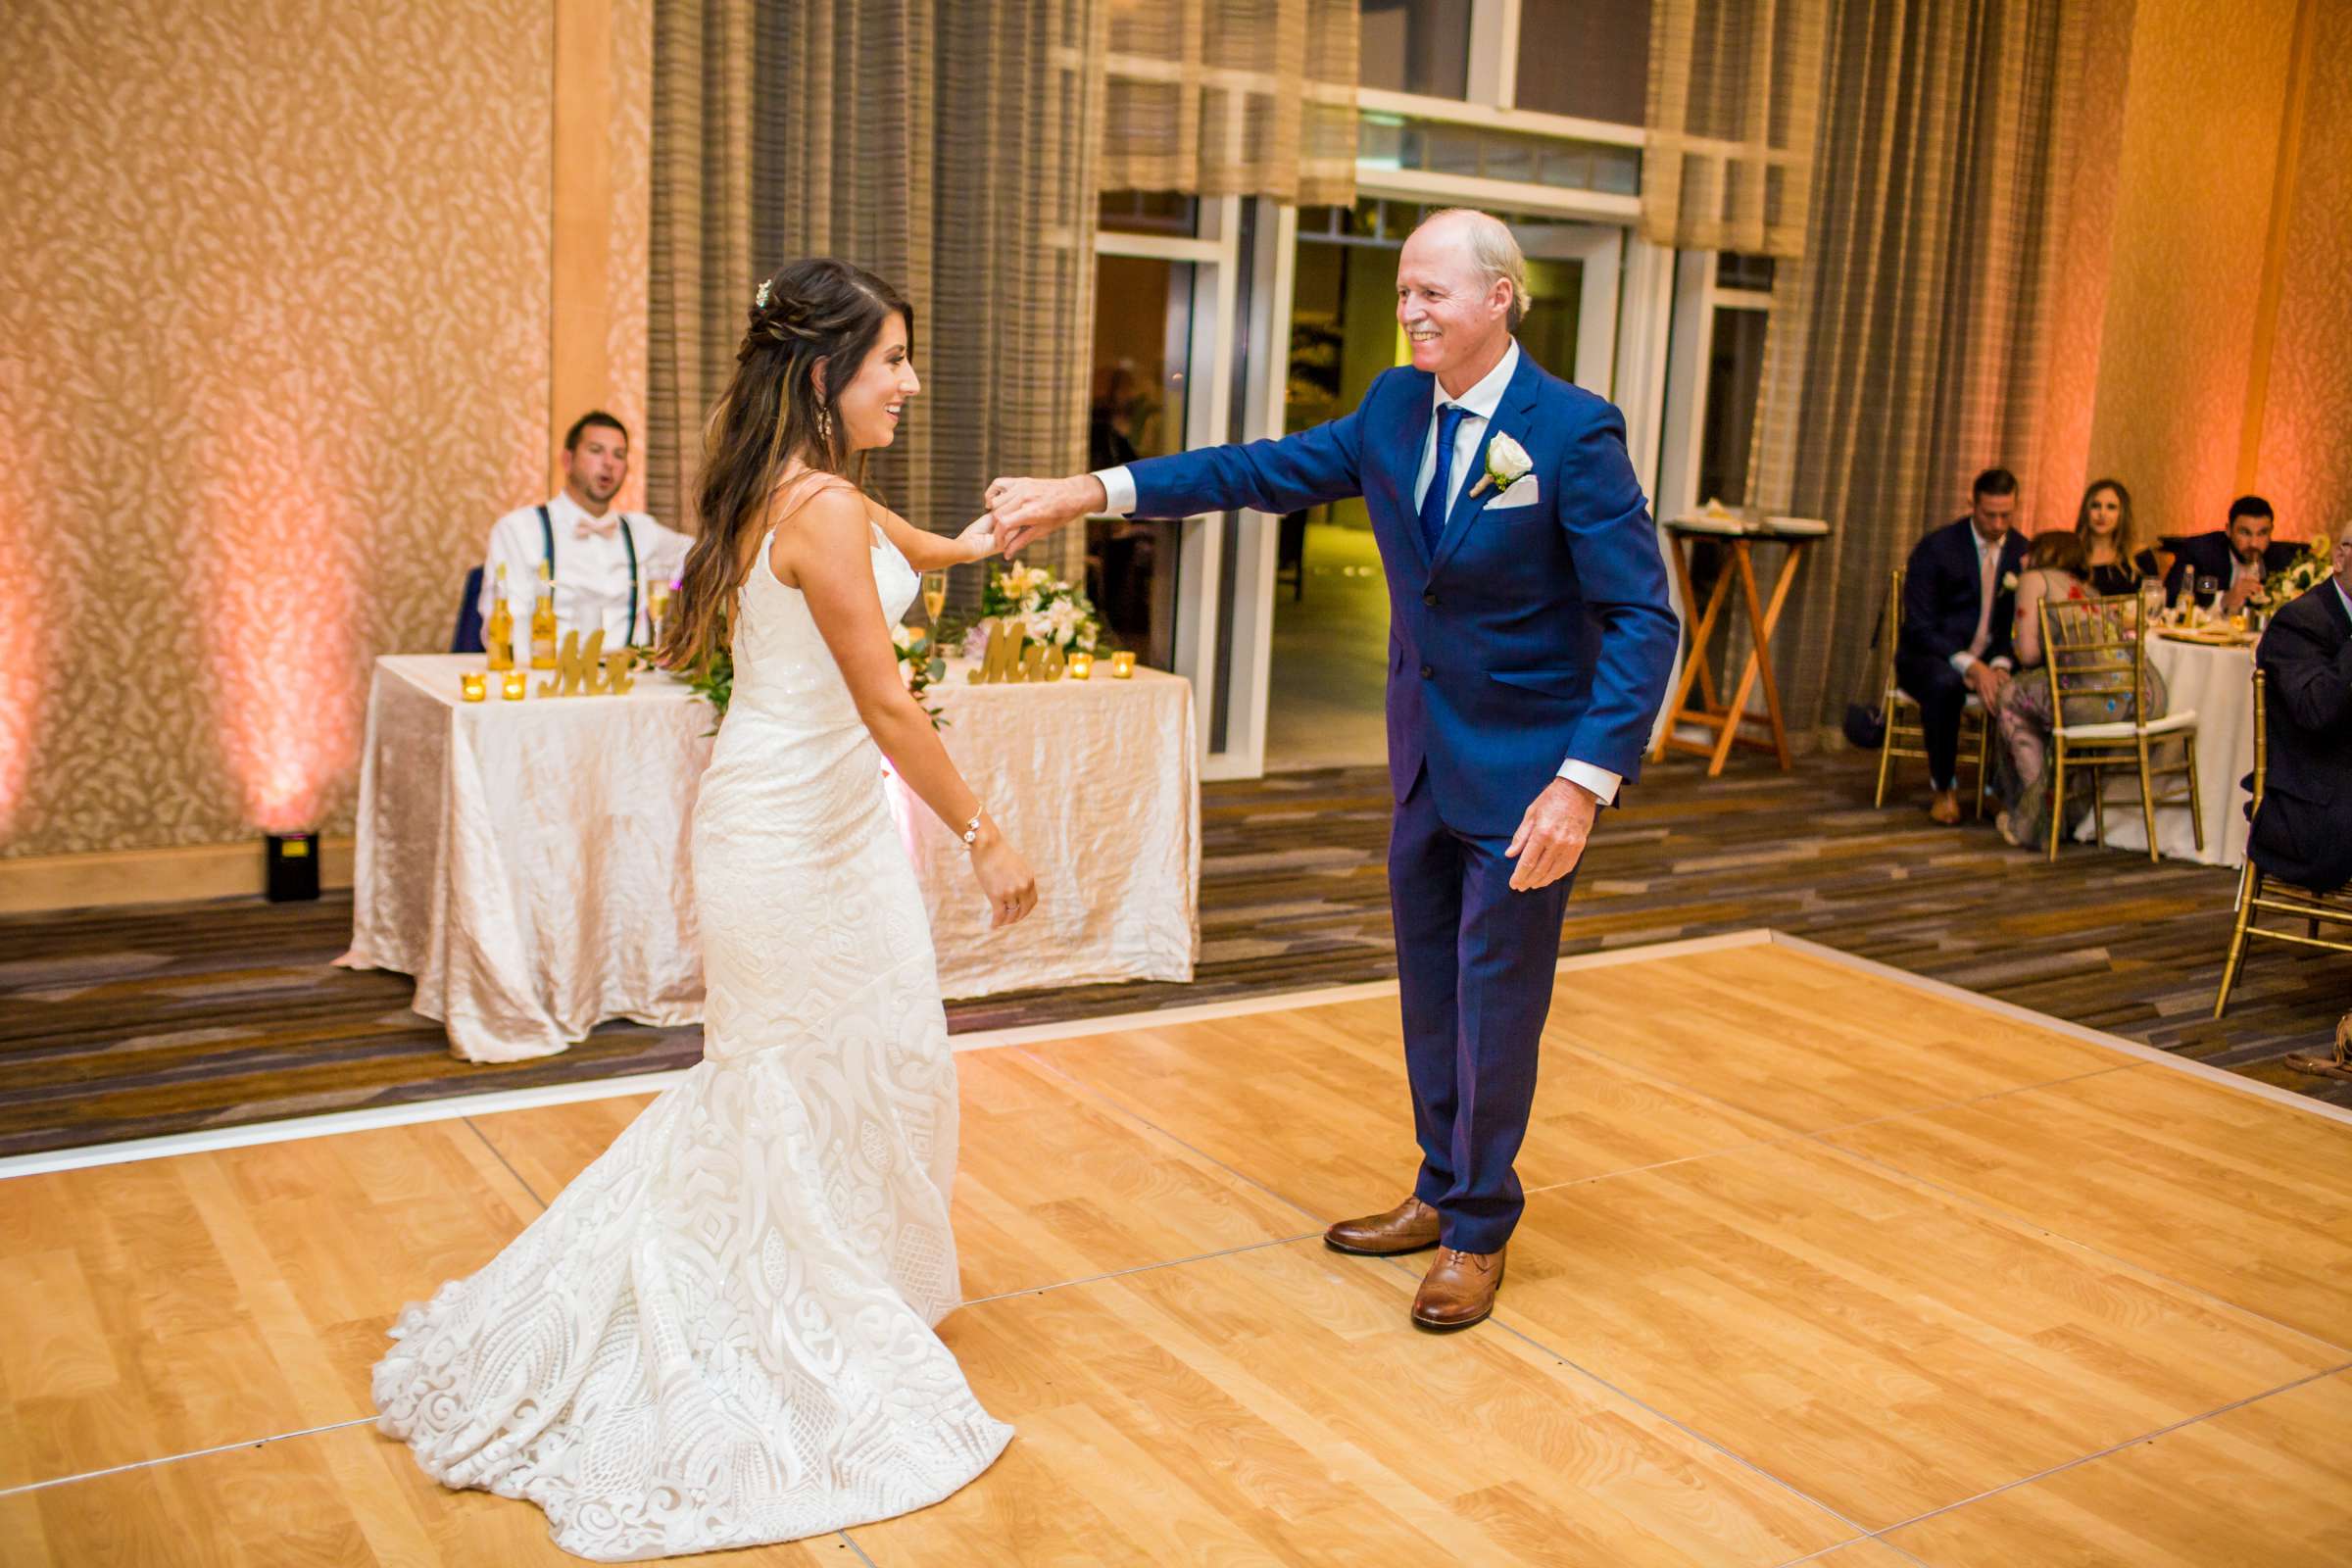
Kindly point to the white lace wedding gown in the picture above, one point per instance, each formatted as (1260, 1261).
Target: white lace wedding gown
(720, 1334)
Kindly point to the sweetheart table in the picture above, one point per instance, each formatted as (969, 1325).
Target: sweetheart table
(527, 863)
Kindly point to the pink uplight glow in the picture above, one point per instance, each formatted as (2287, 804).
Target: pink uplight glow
(277, 618)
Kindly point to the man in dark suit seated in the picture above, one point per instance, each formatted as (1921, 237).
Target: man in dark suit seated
(1959, 597)
(2236, 558)
(2303, 832)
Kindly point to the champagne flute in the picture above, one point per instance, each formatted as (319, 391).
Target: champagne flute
(935, 595)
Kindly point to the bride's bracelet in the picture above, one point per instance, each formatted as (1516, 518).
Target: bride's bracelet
(971, 831)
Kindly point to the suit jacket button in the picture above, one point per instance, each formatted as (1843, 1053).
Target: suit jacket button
(1425, 672)
(1428, 598)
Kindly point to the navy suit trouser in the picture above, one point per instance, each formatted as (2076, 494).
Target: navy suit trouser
(1475, 963)
(1941, 693)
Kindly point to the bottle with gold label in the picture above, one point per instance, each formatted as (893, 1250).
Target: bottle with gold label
(498, 637)
(543, 623)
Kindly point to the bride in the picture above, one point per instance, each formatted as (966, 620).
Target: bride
(720, 1334)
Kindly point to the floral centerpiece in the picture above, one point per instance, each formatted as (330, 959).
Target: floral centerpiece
(919, 667)
(1047, 609)
(2315, 565)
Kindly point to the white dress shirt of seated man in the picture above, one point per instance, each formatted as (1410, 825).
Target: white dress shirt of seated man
(597, 584)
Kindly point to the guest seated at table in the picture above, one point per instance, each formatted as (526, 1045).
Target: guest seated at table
(2110, 540)
(602, 559)
(1958, 593)
(2057, 570)
(2303, 832)
(2236, 559)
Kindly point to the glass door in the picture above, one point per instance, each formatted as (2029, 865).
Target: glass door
(1325, 604)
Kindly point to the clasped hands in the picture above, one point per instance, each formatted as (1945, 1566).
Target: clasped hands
(1987, 680)
(1020, 511)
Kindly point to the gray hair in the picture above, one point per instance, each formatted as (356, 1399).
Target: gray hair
(1494, 251)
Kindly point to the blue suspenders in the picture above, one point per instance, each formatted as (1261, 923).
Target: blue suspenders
(629, 539)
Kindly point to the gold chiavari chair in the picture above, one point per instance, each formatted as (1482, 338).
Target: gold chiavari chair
(2098, 648)
(2257, 892)
(1904, 737)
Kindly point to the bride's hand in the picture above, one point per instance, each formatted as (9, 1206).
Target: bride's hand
(978, 541)
(1006, 878)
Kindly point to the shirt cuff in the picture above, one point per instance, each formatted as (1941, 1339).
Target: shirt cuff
(1962, 659)
(1119, 489)
(1600, 780)
(2004, 662)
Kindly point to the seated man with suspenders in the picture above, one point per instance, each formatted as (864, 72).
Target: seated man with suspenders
(600, 559)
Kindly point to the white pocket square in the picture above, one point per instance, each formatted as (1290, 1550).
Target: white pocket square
(1522, 493)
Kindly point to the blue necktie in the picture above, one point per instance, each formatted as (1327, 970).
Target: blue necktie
(1440, 480)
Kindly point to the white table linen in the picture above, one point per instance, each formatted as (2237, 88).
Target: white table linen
(528, 863)
(2218, 684)
(1094, 782)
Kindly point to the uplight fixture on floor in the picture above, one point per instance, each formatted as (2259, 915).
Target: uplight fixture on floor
(292, 859)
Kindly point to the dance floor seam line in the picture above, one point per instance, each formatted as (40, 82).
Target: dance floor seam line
(1498, 1321)
(2008, 1216)
(1142, 1268)
(851, 1542)
(1137, 1116)
(475, 1127)
(2080, 1461)
(192, 1453)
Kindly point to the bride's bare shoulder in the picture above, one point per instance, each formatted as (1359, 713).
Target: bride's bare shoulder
(811, 511)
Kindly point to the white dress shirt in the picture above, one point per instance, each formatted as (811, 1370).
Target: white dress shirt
(1989, 566)
(1479, 404)
(592, 572)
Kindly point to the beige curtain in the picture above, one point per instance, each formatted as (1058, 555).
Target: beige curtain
(1905, 353)
(1734, 95)
(949, 148)
(699, 275)
(1232, 98)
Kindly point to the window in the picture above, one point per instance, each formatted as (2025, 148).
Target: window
(1416, 46)
(1149, 212)
(1735, 377)
(1589, 59)
(1439, 147)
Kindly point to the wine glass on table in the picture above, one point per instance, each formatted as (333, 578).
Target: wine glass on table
(935, 596)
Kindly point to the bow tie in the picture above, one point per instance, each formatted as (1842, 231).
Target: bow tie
(603, 527)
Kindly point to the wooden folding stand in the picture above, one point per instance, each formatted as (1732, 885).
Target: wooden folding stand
(1710, 712)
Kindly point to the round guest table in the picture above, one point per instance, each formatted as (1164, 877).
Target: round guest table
(2218, 683)
(528, 861)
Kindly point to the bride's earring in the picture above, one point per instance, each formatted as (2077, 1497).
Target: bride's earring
(824, 426)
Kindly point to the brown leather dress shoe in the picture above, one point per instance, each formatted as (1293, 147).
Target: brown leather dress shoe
(1946, 807)
(1458, 1291)
(1408, 1228)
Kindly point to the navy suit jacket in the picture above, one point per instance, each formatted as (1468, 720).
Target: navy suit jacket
(2303, 831)
(2207, 555)
(1531, 635)
(1944, 589)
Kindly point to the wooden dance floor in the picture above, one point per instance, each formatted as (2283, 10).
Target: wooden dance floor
(1820, 1263)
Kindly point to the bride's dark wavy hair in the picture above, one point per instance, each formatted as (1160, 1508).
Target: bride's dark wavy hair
(776, 407)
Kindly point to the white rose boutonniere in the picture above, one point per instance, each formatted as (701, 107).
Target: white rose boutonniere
(2009, 582)
(1507, 462)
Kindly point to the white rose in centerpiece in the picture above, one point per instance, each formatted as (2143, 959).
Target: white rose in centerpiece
(1507, 463)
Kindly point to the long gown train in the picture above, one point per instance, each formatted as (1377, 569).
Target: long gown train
(721, 1333)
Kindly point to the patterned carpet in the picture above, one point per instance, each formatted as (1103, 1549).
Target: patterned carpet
(127, 1023)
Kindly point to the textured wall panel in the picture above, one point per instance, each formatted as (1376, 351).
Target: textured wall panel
(274, 287)
(2200, 149)
(2306, 453)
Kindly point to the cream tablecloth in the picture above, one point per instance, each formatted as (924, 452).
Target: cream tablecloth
(528, 863)
(1094, 782)
(2218, 683)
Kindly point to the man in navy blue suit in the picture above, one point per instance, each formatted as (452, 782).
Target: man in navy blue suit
(1959, 598)
(2238, 558)
(1530, 640)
